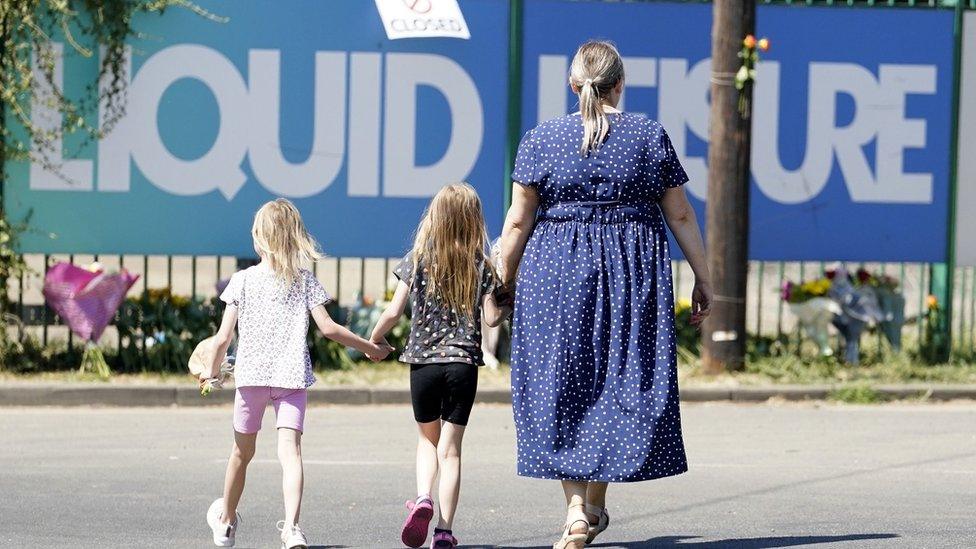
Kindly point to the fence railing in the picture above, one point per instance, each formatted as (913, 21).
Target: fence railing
(349, 279)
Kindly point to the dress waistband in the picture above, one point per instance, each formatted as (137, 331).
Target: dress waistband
(600, 212)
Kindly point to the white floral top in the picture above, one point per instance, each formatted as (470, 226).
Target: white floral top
(272, 327)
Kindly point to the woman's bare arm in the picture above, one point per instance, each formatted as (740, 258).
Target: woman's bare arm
(683, 223)
(518, 226)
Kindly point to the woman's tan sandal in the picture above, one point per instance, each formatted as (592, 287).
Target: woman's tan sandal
(570, 540)
(601, 524)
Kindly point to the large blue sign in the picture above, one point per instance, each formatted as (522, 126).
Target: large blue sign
(304, 99)
(851, 136)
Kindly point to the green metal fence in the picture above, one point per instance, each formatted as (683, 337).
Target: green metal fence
(349, 278)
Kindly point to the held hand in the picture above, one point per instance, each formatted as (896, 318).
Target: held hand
(701, 302)
(380, 350)
(505, 295)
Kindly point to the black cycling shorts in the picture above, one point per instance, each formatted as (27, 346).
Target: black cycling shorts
(443, 391)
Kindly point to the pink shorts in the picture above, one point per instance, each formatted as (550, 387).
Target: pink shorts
(250, 403)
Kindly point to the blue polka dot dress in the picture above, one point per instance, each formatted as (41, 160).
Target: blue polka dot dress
(594, 380)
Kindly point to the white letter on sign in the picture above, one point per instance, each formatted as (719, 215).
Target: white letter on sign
(324, 159)
(220, 167)
(75, 175)
(405, 72)
(778, 183)
(895, 134)
(683, 101)
(365, 103)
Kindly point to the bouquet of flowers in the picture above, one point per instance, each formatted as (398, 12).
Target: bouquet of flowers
(804, 291)
(87, 300)
(202, 359)
(747, 72)
(814, 311)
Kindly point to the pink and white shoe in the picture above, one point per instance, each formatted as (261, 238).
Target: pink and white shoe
(444, 540)
(414, 532)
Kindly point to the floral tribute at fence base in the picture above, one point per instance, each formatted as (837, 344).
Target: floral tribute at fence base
(850, 303)
(87, 300)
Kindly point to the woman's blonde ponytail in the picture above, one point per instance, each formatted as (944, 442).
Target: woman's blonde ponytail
(596, 69)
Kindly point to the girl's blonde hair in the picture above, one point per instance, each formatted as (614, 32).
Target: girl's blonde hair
(450, 244)
(596, 69)
(282, 240)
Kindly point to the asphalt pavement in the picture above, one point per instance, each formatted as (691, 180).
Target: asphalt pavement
(766, 475)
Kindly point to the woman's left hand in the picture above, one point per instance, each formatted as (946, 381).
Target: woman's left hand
(701, 302)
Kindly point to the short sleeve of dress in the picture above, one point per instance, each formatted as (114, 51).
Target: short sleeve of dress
(232, 292)
(670, 170)
(315, 294)
(527, 171)
(404, 269)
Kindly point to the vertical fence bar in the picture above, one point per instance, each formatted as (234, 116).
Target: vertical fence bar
(972, 311)
(145, 288)
(516, 12)
(799, 332)
(759, 299)
(169, 272)
(118, 335)
(338, 281)
(47, 260)
(20, 296)
(921, 302)
(779, 305)
(962, 310)
(942, 274)
(877, 327)
(362, 279)
(71, 335)
(221, 267)
(193, 277)
(386, 275)
(676, 267)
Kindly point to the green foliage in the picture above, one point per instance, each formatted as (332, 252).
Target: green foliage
(27, 28)
(12, 264)
(28, 356)
(688, 336)
(856, 394)
(159, 330)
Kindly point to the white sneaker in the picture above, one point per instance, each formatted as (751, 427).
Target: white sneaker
(223, 533)
(292, 536)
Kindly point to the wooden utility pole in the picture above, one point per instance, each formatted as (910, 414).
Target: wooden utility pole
(727, 211)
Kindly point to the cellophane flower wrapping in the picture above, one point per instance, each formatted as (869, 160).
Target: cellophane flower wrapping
(87, 300)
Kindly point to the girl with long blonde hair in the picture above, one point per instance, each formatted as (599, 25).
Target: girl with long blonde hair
(270, 304)
(449, 282)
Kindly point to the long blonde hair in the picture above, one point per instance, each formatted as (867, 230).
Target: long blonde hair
(596, 69)
(450, 244)
(280, 237)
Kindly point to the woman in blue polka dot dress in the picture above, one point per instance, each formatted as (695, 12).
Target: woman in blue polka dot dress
(594, 381)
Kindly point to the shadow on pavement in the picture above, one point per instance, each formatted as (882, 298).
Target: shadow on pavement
(739, 543)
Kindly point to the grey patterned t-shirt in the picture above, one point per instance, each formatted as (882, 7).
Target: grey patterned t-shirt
(437, 334)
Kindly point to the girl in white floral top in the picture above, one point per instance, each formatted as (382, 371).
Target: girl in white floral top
(270, 305)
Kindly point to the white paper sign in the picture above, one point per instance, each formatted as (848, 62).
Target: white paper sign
(422, 19)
